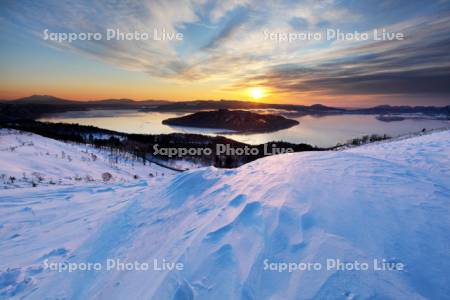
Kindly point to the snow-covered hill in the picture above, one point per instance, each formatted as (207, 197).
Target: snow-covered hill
(234, 231)
(29, 160)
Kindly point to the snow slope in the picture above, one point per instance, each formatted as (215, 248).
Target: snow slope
(385, 201)
(33, 159)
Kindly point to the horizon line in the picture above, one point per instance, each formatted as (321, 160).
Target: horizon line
(206, 100)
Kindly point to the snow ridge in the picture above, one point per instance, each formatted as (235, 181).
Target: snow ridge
(385, 201)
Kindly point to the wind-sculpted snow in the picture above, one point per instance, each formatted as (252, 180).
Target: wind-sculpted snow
(386, 201)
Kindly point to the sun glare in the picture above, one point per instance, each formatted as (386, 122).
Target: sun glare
(257, 93)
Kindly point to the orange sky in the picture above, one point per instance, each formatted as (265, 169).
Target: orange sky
(225, 52)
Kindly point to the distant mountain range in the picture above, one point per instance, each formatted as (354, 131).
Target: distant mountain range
(51, 100)
(38, 105)
(35, 106)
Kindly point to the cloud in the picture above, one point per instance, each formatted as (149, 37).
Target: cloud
(418, 65)
(156, 58)
(230, 27)
(231, 47)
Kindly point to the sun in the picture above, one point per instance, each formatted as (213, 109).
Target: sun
(257, 92)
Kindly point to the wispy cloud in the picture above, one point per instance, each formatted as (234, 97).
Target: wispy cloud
(418, 65)
(229, 46)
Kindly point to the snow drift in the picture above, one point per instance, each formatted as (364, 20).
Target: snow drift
(384, 201)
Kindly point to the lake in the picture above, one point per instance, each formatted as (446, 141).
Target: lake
(323, 131)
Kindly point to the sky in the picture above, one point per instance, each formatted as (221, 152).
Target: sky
(229, 50)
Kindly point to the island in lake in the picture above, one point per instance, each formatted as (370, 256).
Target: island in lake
(390, 118)
(236, 120)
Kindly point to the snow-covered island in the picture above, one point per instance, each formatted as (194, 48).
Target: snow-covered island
(369, 222)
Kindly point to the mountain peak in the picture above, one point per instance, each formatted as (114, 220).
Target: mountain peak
(41, 99)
